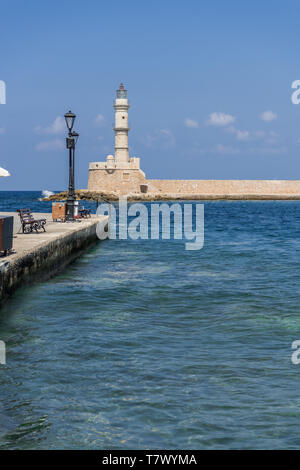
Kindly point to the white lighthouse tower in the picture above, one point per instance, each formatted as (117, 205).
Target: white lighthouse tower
(120, 172)
(121, 128)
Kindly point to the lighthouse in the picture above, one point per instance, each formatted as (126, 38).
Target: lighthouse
(121, 128)
(120, 172)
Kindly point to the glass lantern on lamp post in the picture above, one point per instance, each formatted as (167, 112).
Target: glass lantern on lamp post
(70, 118)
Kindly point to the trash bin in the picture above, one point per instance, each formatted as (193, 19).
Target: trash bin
(6, 233)
(59, 211)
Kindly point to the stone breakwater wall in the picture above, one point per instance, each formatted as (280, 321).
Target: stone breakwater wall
(270, 192)
(135, 182)
(226, 187)
(43, 258)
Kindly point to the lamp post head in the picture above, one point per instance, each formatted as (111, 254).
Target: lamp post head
(75, 136)
(70, 118)
(71, 140)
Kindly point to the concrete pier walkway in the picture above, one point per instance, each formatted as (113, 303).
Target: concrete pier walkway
(40, 255)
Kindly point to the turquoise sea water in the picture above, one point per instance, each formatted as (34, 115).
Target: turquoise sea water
(141, 344)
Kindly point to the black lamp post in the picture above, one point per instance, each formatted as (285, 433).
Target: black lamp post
(71, 142)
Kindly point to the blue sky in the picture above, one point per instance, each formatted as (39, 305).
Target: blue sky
(209, 84)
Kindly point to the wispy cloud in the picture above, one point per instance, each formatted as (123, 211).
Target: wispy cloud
(191, 123)
(99, 120)
(268, 116)
(269, 150)
(222, 149)
(217, 149)
(240, 135)
(162, 137)
(2, 130)
(226, 149)
(220, 119)
(269, 137)
(57, 127)
(56, 144)
(259, 134)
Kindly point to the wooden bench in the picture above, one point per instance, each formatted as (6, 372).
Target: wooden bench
(29, 223)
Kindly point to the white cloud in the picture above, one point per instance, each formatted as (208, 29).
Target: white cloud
(240, 135)
(55, 144)
(99, 120)
(57, 127)
(191, 123)
(268, 116)
(220, 119)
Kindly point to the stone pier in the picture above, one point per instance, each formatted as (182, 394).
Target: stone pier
(40, 255)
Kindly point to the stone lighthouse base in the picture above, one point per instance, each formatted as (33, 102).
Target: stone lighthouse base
(120, 177)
